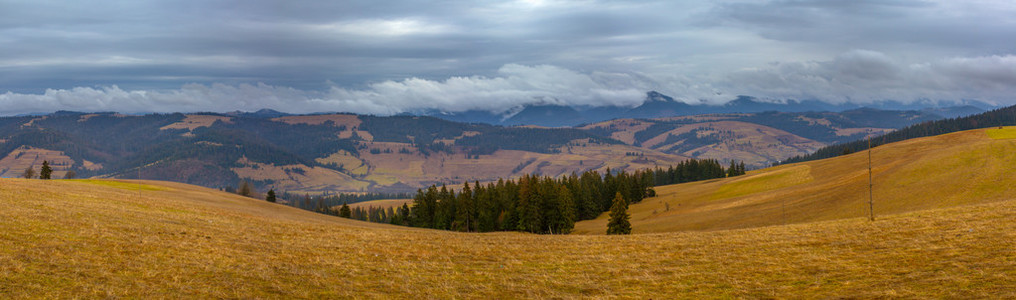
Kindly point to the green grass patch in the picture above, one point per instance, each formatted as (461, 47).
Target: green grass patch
(121, 185)
(1002, 134)
(764, 182)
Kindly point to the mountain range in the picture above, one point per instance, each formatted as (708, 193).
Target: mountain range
(657, 105)
(324, 153)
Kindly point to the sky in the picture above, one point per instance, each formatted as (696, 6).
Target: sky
(389, 57)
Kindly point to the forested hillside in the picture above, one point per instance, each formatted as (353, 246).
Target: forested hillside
(327, 153)
(758, 139)
(310, 154)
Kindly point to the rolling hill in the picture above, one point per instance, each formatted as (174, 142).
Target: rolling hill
(147, 239)
(961, 168)
(758, 139)
(304, 153)
(353, 153)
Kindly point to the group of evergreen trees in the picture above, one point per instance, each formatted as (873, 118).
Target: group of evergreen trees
(45, 172)
(539, 204)
(531, 203)
(695, 170)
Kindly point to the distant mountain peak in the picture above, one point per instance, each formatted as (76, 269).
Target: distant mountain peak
(742, 100)
(261, 113)
(654, 96)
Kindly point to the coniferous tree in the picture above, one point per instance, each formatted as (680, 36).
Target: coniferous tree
(619, 217)
(566, 210)
(271, 196)
(424, 207)
(46, 172)
(245, 189)
(404, 215)
(529, 216)
(29, 173)
(464, 220)
(345, 212)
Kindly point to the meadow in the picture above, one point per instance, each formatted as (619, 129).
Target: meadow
(962, 168)
(129, 239)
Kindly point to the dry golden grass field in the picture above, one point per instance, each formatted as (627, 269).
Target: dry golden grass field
(129, 239)
(969, 167)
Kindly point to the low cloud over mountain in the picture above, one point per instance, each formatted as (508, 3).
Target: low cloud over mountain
(858, 77)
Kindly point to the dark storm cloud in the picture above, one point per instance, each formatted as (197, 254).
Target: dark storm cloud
(933, 27)
(396, 56)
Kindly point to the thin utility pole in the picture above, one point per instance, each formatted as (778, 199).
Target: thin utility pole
(871, 205)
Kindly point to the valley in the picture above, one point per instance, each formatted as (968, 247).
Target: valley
(943, 209)
(805, 149)
(328, 153)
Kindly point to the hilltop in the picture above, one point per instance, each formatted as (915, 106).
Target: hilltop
(131, 239)
(961, 168)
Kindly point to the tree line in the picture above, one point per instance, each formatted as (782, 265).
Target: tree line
(537, 204)
(695, 170)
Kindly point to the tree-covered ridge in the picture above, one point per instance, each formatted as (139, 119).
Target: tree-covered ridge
(205, 148)
(818, 126)
(540, 140)
(424, 131)
(416, 130)
(999, 117)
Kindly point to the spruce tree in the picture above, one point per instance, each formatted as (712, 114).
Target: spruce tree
(270, 196)
(566, 210)
(46, 172)
(618, 223)
(345, 212)
(464, 210)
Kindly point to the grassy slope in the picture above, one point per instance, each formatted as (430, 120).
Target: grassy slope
(100, 239)
(934, 172)
(385, 203)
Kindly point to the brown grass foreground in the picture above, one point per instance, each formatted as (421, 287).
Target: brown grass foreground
(95, 239)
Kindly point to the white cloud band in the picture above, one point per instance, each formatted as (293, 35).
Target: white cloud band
(858, 76)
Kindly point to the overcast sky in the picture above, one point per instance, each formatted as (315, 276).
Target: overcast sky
(385, 57)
